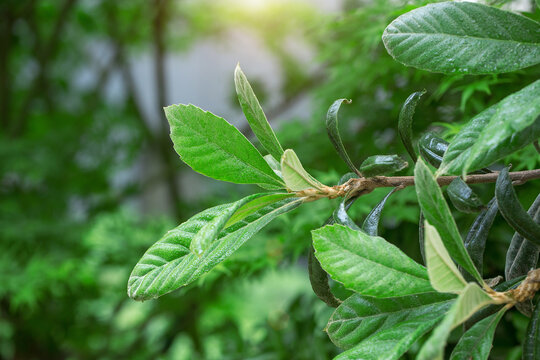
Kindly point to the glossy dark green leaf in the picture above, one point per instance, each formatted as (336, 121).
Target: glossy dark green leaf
(255, 115)
(463, 37)
(512, 211)
(432, 148)
(371, 222)
(382, 165)
(522, 254)
(475, 242)
(421, 236)
(384, 328)
(355, 259)
(463, 198)
(332, 128)
(500, 130)
(169, 263)
(436, 211)
(531, 345)
(475, 344)
(405, 122)
(215, 148)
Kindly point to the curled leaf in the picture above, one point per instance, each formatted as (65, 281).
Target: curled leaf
(432, 148)
(371, 222)
(475, 242)
(382, 165)
(463, 198)
(512, 211)
(531, 345)
(405, 122)
(522, 254)
(332, 129)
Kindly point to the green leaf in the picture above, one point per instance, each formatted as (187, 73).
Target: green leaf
(443, 274)
(531, 345)
(382, 165)
(436, 211)
(255, 115)
(463, 37)
(512, 211)
(341, 217)
(463, 198)
(405, 122)
(421, 237)
(475, 344)
(500, 130)
(360, 317)
(255, 205)
(472, 299)
(296, 178)
(371, 222)
(432, 148)
(332, 129)
(355, 259)
(475, 242)
(274, 164)
(522, 254)
(169, 263)
(215, 148)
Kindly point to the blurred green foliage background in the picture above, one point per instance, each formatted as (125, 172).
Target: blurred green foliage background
(75, 188)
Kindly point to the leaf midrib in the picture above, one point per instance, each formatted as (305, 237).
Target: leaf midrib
(460, 36)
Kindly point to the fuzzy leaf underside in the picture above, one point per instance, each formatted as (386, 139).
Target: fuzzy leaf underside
(476, 343)
(443, 273)
(360, 317)
(355, 259)
(169, 263)
(295, 176)
(437, 212)
(215, 148)
(463, 37)
(472, 299)
(500, 130)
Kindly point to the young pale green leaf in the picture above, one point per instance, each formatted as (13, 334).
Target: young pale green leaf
(531, 345)
(360, 317)
(332, 129)
(500, 130)
(475, 242)
(432, 148)
(512, 211)
(169, 263)
(405, 121)
(215, 148)
(443, 274)
(382, 165)
(393, 342)
(522, 254)
(436, 211)
(472, 299)
(371, 222)
(355, 259)
(475, 344)
(296, 178)
(463, 37)
(255, 115)
(463, 198)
